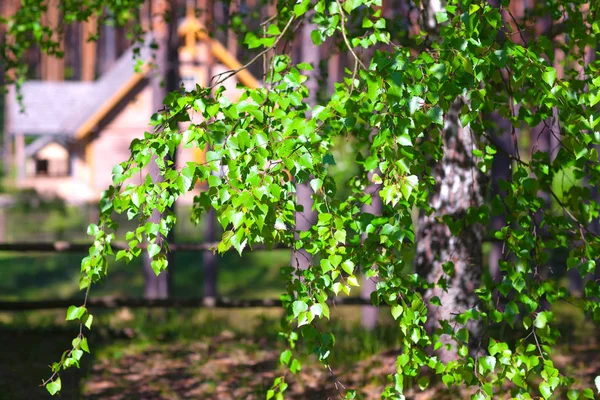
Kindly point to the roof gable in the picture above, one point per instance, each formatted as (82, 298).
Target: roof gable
(35, 147)
(74, 109)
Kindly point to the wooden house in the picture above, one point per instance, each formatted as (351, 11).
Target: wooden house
(71, 133)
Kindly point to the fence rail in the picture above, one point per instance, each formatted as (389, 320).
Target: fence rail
(74, 247)
(132, 302)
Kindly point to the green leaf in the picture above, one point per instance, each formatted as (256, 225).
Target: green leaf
(397, 311)
(299, 306)
(159, 264)
(352, 281)
(335, 260)
(84, 345)
(473, 8)
(348, 267)
(304, 66)
(336, 287)
(300, 9)
(316, 309)
(404, 140)
(441, 17)
(416, 103)
(54, 386)
(487, 364)
(448, 379)
(236, 219)
(295, 366)
(88, 321)
(316, 184)
(74, 313)
(549, 76)
(273, 30)
(545, 390)
(285, 357)
(340, 236)
(153, 249)
(573, 394)
(542, 319)
(479, 396)
(325, 265)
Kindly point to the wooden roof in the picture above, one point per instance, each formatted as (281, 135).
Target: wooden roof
(74, 109)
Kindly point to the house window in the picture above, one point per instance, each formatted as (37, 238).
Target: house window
(41, 167)
(51, 167)
(52, 160)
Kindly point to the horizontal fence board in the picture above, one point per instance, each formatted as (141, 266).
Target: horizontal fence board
(131, 302)
(72, 247)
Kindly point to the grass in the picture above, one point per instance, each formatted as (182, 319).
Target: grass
(47, 276)
(36, 276)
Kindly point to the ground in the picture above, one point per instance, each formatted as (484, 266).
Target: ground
(208, 354)
(204, 354)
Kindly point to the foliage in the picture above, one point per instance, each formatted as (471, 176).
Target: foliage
(393, 102)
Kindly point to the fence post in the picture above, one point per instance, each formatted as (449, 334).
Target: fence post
(6, 201)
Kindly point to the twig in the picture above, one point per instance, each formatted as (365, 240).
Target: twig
(538, 343)
(80, 335)
(229, 74)
(516, 25)
(271, 18)
(343, 24)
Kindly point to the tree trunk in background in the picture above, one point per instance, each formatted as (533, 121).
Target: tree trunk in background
(19, 157)
(368, 314)
(220, 16)
(73, 55)
(53, 68)
(458, 186)
(6, 151)
(232, 42)
(167, 70)
(305, 219)
(108, 45)
(88, 49)
(209, 259)
(334, 72)
(2, 224)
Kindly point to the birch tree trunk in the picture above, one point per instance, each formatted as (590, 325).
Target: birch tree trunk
(458, 186)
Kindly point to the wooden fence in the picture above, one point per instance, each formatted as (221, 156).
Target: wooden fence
(117, 302)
